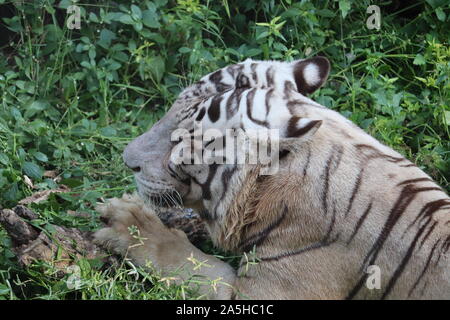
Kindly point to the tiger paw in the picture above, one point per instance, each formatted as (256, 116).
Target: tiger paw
(135, 231)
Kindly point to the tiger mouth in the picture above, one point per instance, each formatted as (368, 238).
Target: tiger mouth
(165, 199)
(158, 198)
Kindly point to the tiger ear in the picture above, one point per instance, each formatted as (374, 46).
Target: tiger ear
(287, 140)
(299, 127)
(298, 130)
(311, 74)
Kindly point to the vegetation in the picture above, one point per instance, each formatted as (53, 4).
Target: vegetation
(71, 99)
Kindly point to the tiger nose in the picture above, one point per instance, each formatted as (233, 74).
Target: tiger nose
(131, 164)
(131, 158)
(135, 169)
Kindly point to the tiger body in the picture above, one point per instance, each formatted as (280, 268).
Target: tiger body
(339, 202)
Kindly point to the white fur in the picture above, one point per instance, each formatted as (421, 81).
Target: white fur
(311, 74)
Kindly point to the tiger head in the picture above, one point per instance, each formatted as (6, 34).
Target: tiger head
(252, 95)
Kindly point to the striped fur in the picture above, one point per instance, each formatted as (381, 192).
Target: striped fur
(340, 202)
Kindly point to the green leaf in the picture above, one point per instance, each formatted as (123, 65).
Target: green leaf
(64, 4)
(92, 53)
(4, 159)
(40, 156)
(108, 132)
(184, 50)
(440, 14)
(447, 117)
(253, 52)
(4, 290)
(3, 127)
(3, 181)
(36, 107)
(89, 146)
(12, 193)
(106, 36)
(157, 68)
(85, 64)
(419, 60)
(138, 26)
(136, 13)
(51, 229)
(150, 19)
(344, 6)
(160, 3)
(93, 17)
(436, 3)
(113, 65)
(325, 13)
(72, 182)
(126, 19)
(50, 9)
(32, 170)
(262, 35)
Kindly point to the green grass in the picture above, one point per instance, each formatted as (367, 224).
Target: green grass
(72, 99)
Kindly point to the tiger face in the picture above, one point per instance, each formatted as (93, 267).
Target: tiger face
(252, 95)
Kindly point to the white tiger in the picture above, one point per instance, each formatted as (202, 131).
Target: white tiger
(340, 201)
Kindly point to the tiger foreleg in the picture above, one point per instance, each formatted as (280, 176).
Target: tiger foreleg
(136, 232)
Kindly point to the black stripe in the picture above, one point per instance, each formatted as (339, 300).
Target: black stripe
(355, 190)
(282, 154)
(330, 228)
(216, 79)
(176, 175)
(250, 105)
(254, 73)
(205, 215)
(269, 77)
(311, 247)
(289, 87)
(308, 159)
(214, 108)
(206, 186)
(191, 111)
(331, 166)
(406, 196)
(414, 180)
(232, 105)
(293, 131)
(201, 114)
(269, 94)
(373, 153)
(242, 81)
(425, 237)
(405, 260)
(292, 105)
(356, 288)
(446, 245)
(227, 174)
(427, 210)
(326, 186)
(360, 222)
(408, 165)
(427, 264)
(258, 239)
(235, 70)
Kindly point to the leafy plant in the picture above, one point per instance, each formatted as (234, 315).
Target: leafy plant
(72, 99)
